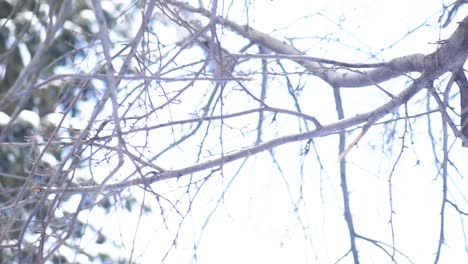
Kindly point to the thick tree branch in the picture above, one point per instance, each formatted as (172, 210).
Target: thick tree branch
(462, 82)
(452, 53)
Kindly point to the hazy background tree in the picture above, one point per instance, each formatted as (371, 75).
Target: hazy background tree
(155, 114)
(39, 39)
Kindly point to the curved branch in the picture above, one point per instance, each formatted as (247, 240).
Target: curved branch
(451, 53)
(364, 118)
